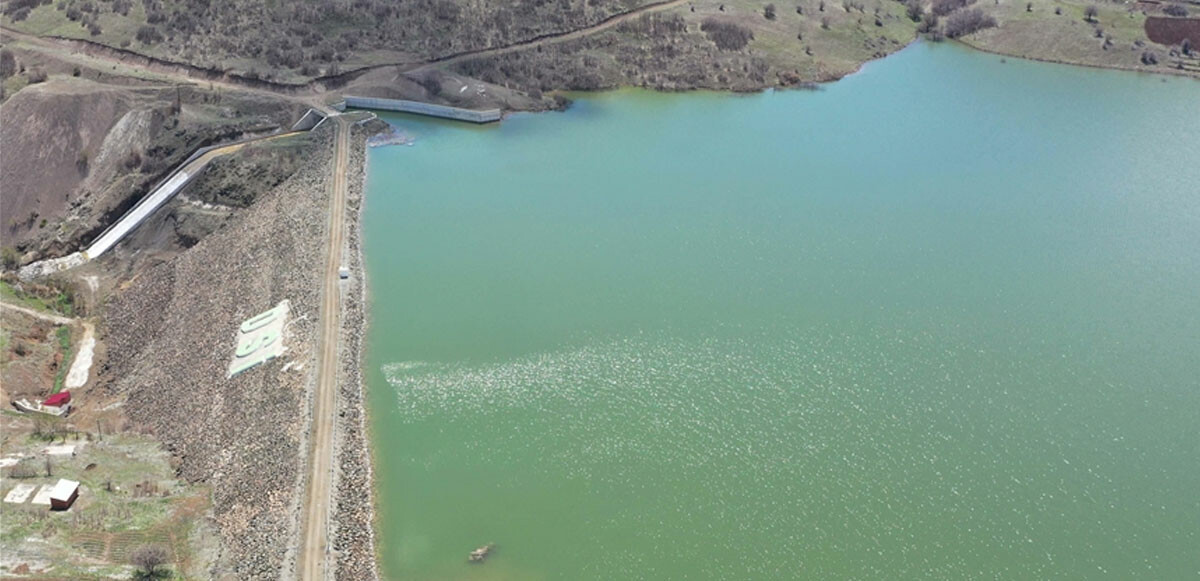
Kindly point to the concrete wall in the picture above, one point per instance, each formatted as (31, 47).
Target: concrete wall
(311, 119)
(442, 111)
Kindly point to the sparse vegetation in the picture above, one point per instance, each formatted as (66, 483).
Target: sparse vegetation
(9, 257)
(944, 7)
(964, 22)
(727, 35)
(1176, 10)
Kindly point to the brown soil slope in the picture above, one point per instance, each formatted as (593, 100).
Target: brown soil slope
(50, 134)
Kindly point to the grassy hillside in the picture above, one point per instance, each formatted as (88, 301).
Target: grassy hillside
(746, 43)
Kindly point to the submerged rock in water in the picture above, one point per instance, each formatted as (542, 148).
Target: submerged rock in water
(393, 137)
(478, 555)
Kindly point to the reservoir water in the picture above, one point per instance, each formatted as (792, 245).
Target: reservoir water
(940, 319)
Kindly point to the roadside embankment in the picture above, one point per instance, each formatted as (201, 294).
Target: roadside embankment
(353, 514)
(171, 334)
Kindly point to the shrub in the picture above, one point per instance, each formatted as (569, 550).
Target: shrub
(944, 7)
(1149, 57)
(966, 22)
(727, 35)
(149, 561)
(769, 12)
(1175, 10)
(914, 9)
(133, 160)
(8, 64)
(1089, 13)
(929, 24)
(23, 470)
(36, 75)
(20, 5)
(148, 35)
(9, 257)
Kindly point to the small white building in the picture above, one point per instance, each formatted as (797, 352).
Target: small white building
(63, 495)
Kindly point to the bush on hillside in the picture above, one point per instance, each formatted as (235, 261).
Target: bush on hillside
(727, 35)
(944, 7)
(965, 22)
(8, 64)
(148, 35)
(1175, 10)
(914, 9)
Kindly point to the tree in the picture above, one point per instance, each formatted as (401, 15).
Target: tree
(149, 561)
(1089, 13)
(9, 257)
(769, 12)
(914, 10)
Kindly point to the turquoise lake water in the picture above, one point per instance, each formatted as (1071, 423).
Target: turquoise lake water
(938, 320)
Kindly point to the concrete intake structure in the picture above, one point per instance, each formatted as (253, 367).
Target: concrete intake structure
(419, 108)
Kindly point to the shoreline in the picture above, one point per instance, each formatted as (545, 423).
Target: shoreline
(353, 516)
(1183, 73)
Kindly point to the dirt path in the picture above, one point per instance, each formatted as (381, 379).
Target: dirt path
(81, 365)
(56, 319)
(545, 39)
(313, 562)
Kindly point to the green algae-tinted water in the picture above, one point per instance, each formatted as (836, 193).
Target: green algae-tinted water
(938, 320)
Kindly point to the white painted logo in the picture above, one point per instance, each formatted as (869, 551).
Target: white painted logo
(259, 339)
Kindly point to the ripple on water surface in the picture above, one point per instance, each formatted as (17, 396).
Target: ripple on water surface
(876, 455)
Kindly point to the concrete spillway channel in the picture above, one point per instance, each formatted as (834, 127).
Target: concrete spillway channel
(189, 169)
